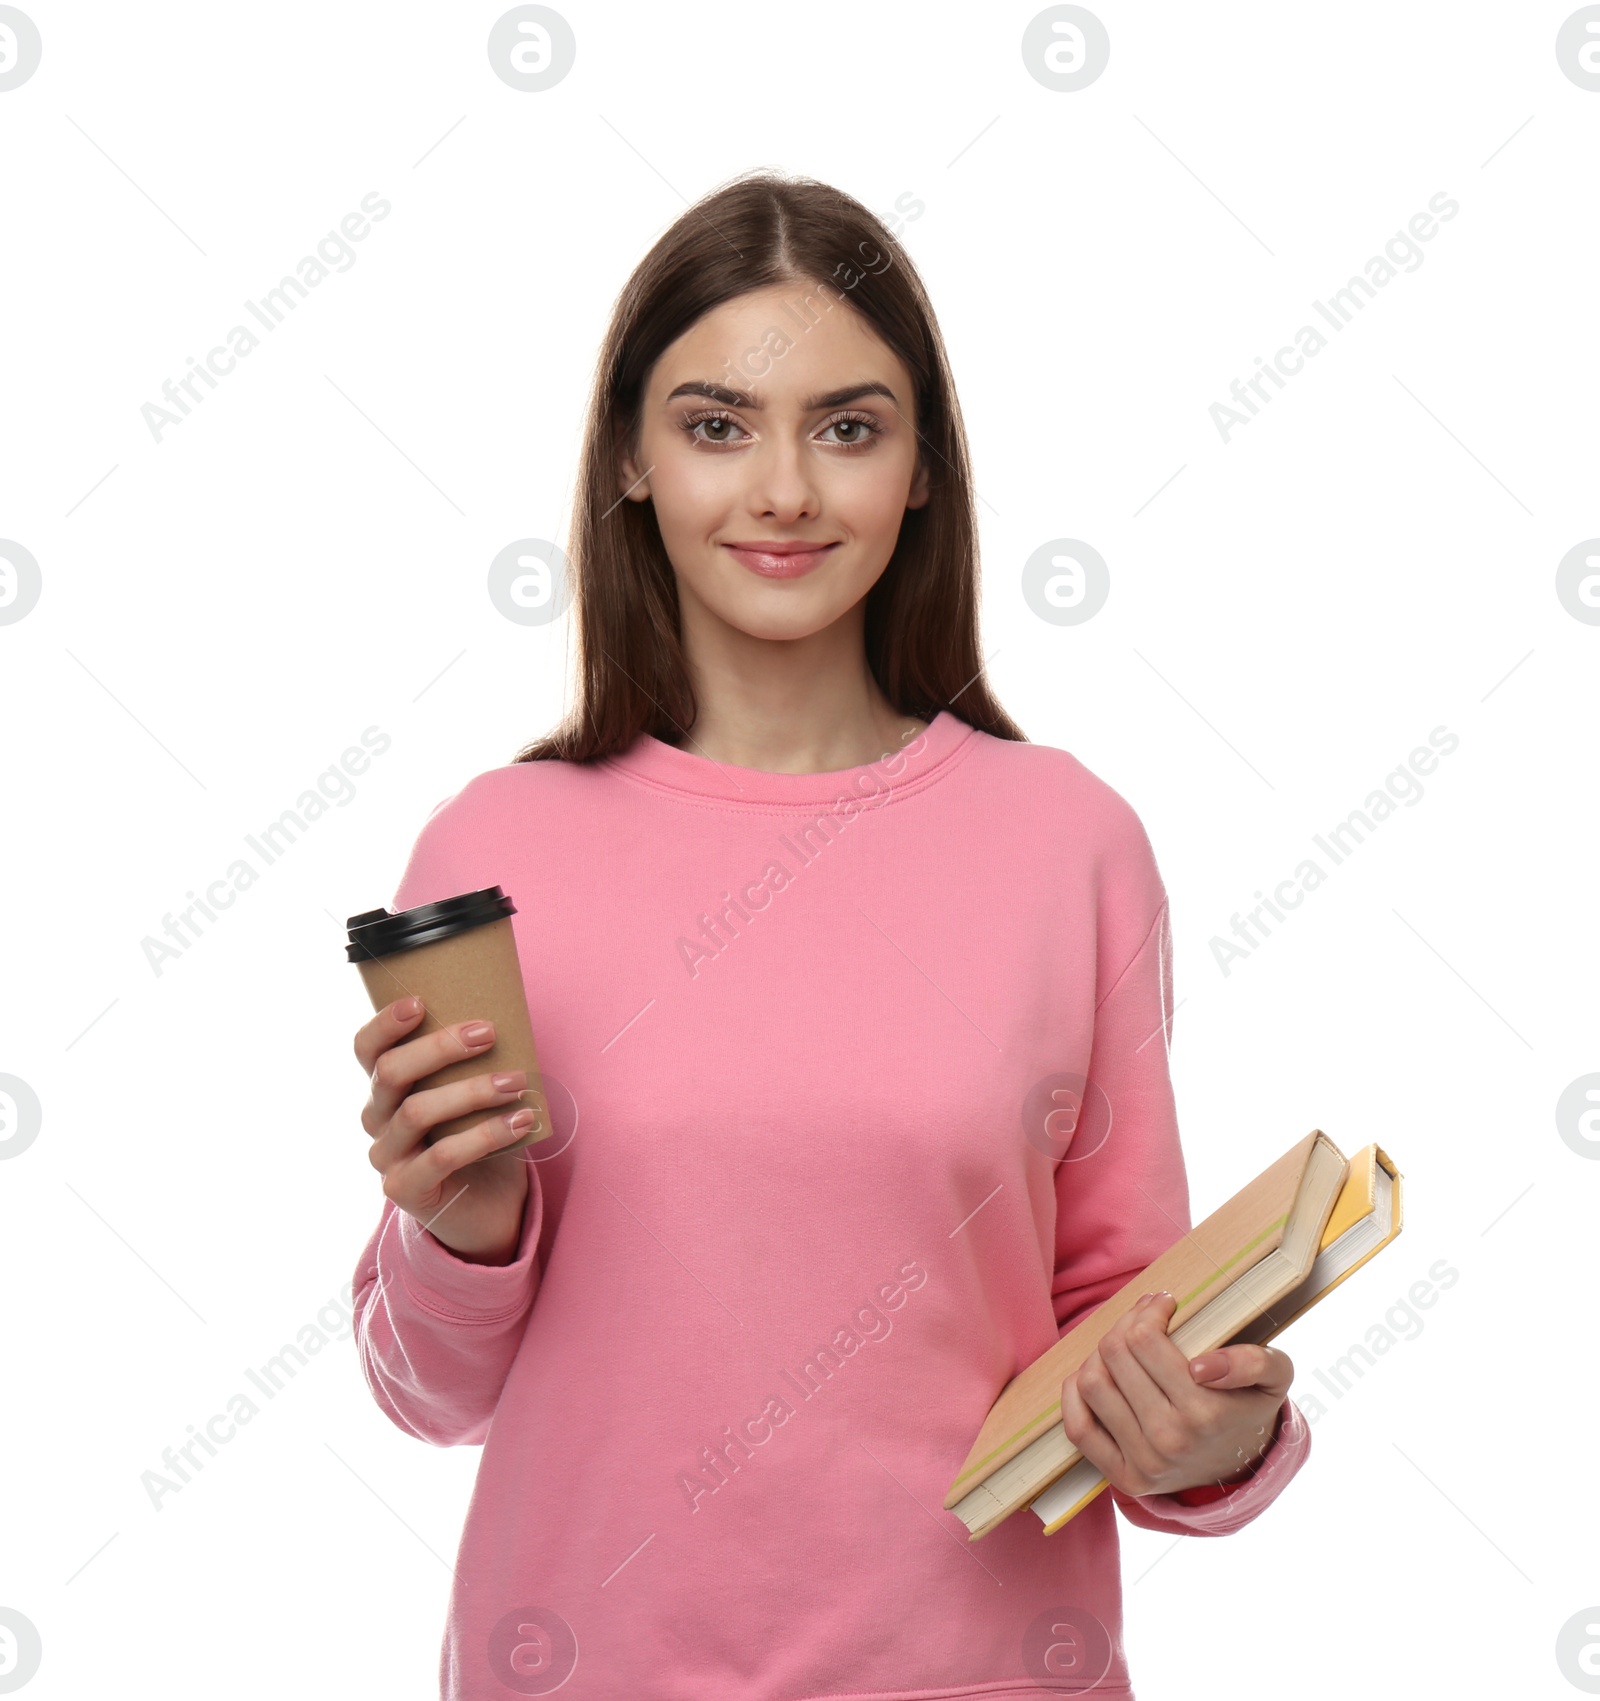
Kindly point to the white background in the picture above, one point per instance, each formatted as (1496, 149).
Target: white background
(224, 611)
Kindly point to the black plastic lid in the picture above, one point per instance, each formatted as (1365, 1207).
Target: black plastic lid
(378, 933)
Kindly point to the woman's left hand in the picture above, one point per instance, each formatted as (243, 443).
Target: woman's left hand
(1152, 1422)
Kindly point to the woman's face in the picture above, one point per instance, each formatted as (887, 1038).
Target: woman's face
(757, 431)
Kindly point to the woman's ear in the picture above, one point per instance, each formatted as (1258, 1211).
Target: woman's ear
(630, 482)
(920, 485)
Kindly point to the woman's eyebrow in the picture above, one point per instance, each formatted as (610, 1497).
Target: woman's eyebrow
(748, 399)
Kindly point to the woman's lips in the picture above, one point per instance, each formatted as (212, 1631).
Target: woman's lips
(769, 564)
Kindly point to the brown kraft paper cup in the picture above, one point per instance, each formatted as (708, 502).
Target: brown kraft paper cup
(470, 973)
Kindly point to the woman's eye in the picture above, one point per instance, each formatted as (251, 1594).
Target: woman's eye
(718, 426)
(858, 430)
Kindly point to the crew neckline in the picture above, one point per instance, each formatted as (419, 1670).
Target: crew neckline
(895, 774)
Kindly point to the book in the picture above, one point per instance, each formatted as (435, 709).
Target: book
(1225, 1273)
(1366, 1217)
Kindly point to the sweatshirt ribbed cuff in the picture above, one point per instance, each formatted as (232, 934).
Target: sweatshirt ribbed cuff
(449, 1286)
(1243, 1501)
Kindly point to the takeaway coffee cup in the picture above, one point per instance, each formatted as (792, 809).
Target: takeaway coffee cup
(459, 957)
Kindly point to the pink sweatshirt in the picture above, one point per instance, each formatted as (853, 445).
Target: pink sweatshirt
(812, 1200)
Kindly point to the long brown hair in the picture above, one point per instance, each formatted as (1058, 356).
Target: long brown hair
(921, 625)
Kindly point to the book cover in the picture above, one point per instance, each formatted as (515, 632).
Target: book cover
(1199, 1265)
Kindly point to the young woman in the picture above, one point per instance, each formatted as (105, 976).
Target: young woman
(853, 1007)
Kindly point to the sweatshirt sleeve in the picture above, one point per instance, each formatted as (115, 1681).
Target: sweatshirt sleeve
(1122, 1191)
(435, 1334)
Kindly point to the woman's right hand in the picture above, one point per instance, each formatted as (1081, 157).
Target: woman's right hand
(478, 1217)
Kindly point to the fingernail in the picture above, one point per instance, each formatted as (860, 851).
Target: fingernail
(477, 1033)
(1204, 1367)
(407, 1008)
(1143, 1299)
(508, 1083)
